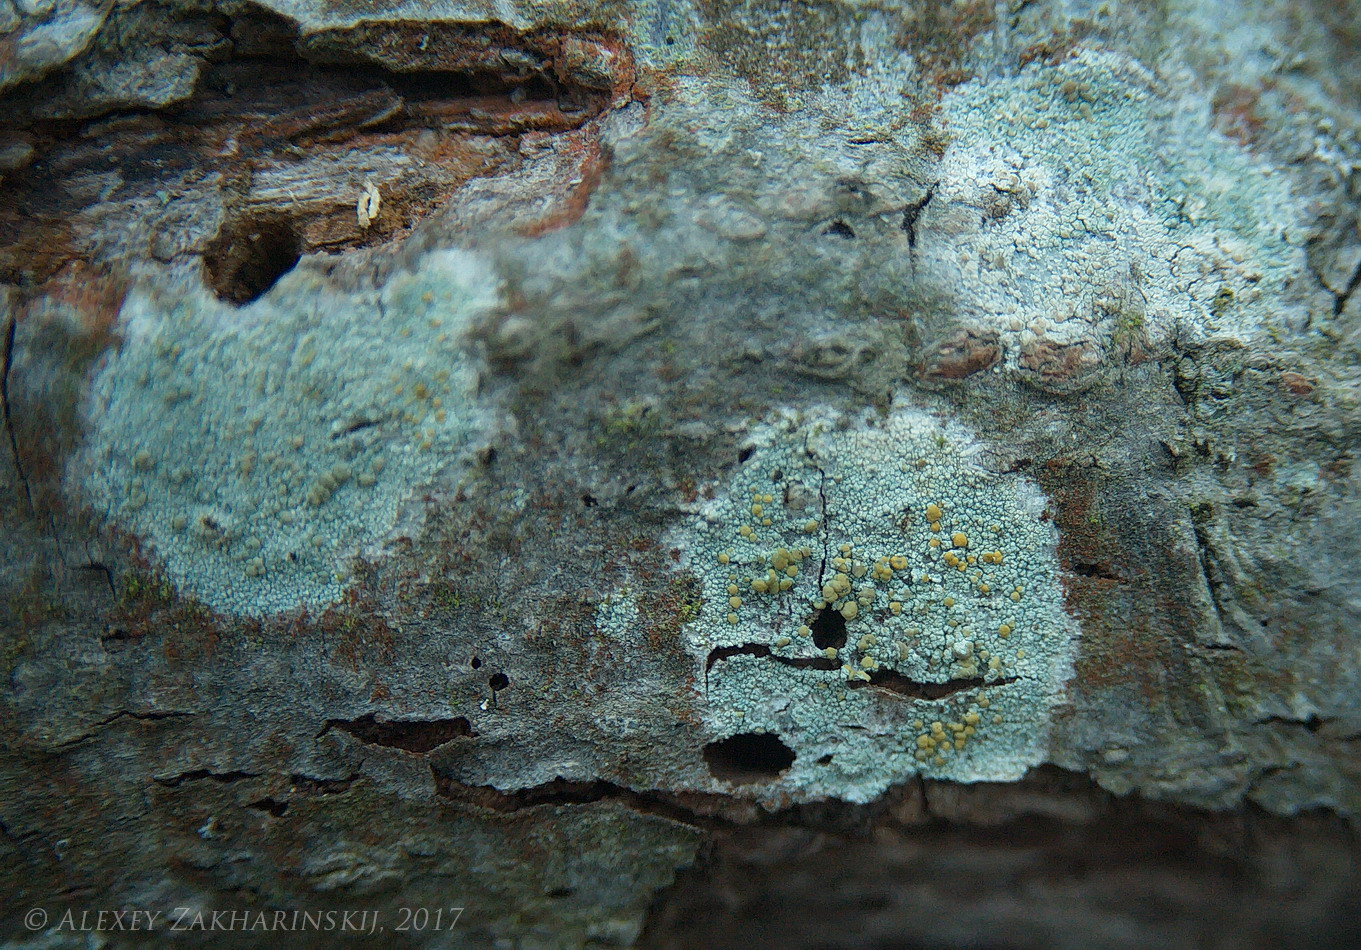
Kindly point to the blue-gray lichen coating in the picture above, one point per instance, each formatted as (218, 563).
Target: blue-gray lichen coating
(258, 450)
(942, 575)
(1078, 204)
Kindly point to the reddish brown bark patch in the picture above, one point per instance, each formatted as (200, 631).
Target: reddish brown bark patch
(1059, 45)
(1060, 367)
(964, 354)
(54, 335)
(1105, 586)
(584, 162)
(1235, 113)
(1297, 384)
(939, 36)
(273, 154)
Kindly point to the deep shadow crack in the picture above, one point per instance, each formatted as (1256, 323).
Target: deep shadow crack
(311, 785)
(761, 650)
(198, 775)
(697, 809)
(899, 685)
(1340, 300)
(11, 328)
(410, 735)
(883, 678)
(913, 213)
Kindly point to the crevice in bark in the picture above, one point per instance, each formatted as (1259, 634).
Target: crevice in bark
(292, 144)
(761, 650)
(883, 678)
(894, 682)
(1100, 571)
(311, 785)
(1312, 723)
(151, 716)
(1340, 300)
(912, 214)
(409, 735)
(691, 809)
(11, 327)
(270, 806)
(200, 775)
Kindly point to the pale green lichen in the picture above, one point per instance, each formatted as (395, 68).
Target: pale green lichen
(257, 450)
(1079, 202)
(956, 644)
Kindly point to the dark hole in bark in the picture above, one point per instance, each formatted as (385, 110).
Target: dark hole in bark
(249, 256)
(271, 806)
(829, 629)
(271, 100)
(499, 681)
(748, 757)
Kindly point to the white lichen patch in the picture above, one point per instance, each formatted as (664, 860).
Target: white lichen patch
(257, 450)
(1081, 202)
(883, 604)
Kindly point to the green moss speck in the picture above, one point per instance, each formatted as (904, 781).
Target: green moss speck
(138, 588)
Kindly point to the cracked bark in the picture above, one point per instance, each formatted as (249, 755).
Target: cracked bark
(11, 326)
(1204, 790)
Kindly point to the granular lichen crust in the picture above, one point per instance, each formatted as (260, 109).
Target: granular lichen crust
(883, 604)
(256, 450)
(1079, 212)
